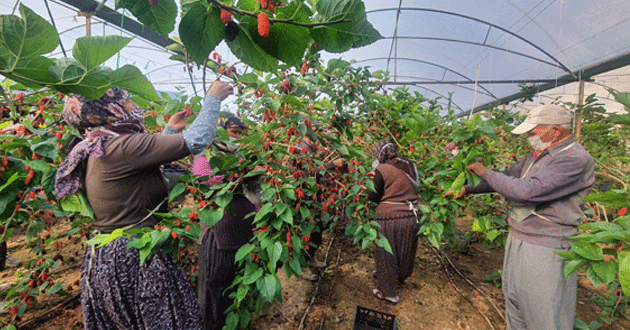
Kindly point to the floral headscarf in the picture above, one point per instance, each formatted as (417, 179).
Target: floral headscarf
(111, 115)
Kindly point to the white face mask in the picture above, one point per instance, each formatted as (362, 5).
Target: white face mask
(537, 143)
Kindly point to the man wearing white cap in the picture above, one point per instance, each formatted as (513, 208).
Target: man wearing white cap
(543, 191)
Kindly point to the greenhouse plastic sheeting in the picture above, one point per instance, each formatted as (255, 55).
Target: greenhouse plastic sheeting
(480, 50)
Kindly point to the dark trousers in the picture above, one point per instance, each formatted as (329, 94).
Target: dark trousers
(217, 271)
(3, 254)
(393, 268)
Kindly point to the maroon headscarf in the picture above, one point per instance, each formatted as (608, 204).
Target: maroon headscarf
(112, 114)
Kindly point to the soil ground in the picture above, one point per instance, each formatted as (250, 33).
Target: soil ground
(445, 291)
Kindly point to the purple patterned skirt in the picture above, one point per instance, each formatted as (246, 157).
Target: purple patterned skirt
(118, 293)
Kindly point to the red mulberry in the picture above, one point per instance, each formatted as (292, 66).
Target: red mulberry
(263, 24)
(226, 16)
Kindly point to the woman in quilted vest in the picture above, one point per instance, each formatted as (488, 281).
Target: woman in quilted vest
(395, 184)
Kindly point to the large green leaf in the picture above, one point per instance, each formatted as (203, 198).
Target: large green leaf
(92, 51)
(28, 36)
(623, 98)
(366, 35)
(285, 42)
(73, 79)
(614, 198)
(607, 271)
(33, 71)
(337, 38)
(67, 71)
(624, 271)
(619, 119)
(588, 250)
(131, 78)
(159, 18)
(201, 30)
(250, 53)
(247, 5)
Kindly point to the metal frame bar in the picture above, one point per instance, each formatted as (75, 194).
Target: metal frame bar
(562, 66)
(128, 23)
(429, 63)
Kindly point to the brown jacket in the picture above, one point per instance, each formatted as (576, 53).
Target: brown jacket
(126, 182)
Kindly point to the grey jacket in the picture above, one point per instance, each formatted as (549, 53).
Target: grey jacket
(553, 183)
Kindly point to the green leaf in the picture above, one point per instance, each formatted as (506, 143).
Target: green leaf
(573, 266)
(231, 321)
(285, 42)
(159, 18)
(201, 30)
(92, 51)
(250, 53)
(588, 250)
(337, 38)
(111, 237)
(274, 251)
(337, 63)
(619, 119)
(224, 199)
(366, 35)
(30, 35)
(33, 71)
(45, 148)
(210, 217)
(267, 286)
(491, 235)
(248, 78)
(623, 98)
(57, 287)
(253, 277)
(9, 181)
(67, 71)
(77, 203)
(264, 210)
(570, 255)
(130, 78)
(244, 251)
(593, 277)
(458, 184)
(614, 198)
(178, 189)
(384, 243)
(607, 270)
(624, 271)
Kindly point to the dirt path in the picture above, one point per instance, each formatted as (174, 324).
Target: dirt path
(429, 298)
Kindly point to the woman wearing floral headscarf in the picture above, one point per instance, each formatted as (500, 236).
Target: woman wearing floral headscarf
(118, 165)
(395, 183)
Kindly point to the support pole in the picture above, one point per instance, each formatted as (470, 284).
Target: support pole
(578, 114)
(88, 23)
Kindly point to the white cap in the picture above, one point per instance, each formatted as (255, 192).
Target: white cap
(548, 114)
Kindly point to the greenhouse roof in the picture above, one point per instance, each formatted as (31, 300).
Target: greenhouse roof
(481, 50)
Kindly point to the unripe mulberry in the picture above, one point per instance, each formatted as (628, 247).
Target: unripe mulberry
(226, 16)
(263, 24)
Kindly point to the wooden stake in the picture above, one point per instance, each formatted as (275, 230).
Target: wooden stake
(578, 114)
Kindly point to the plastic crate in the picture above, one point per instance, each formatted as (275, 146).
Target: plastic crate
(368, 319)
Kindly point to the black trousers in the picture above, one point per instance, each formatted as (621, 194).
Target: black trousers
(216, 273)
(3, 254)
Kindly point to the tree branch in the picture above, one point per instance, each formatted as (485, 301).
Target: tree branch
(235, 10)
